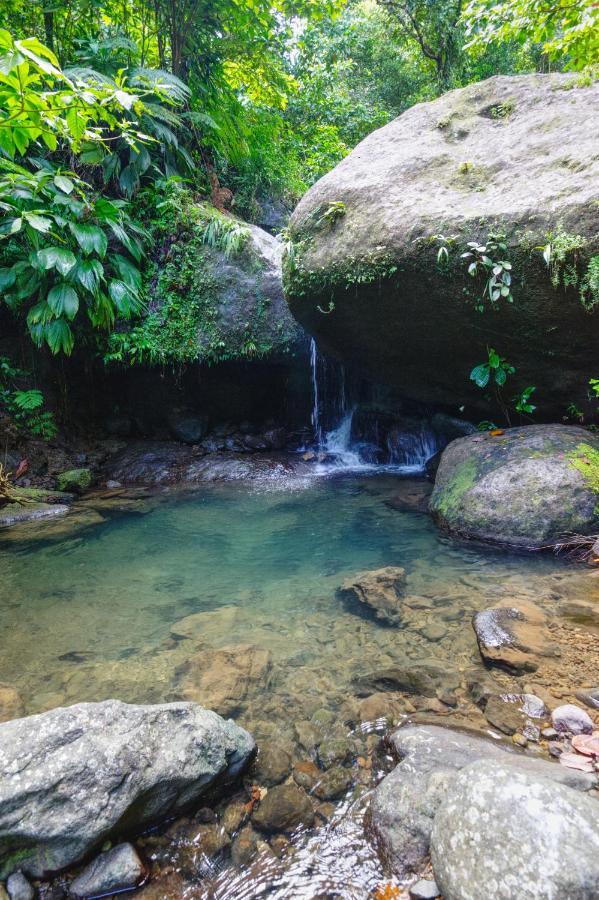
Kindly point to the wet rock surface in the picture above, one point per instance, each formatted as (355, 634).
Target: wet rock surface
(113, 765)
(380, 591)
(223, 679)
(284, 808)
(526, 487)
(513, 636)
(501, 832)
(116, 870)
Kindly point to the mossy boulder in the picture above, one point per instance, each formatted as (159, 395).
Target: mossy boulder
(75, 481)
(525, 487)
(212, 300)
(517, 156)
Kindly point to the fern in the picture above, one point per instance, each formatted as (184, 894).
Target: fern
(221, 232)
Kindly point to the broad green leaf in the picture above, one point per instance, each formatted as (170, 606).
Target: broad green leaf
(480, 375)
(57, 258)
(90, 238)
(64, 184)
(493, 359)
(63, 300)
(40, 223)
(500, 377)
(59, 337)
(7, 278)
(76, 124)
(89, 273)
(129, 273)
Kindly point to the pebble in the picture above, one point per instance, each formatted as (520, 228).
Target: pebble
(119, 869)
(333, 784)
(519, 740)
(284, 808)
(549, 734)
(425, 889)
(590, 698)
(18, 887)
(572, 718)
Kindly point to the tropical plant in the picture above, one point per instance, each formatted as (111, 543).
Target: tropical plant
(522, 402)
(493, 372)
(72, 255)
(567, 30)
(486, 259)
(25, 407)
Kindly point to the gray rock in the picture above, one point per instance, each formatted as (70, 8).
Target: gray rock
(590, 698)
(404, 804)
(187, 426)
(503, 832)
(379, 590)
(333, 784)
(273, 765)
(571, 718)
(19, 888)
(116, 870)
(425, 889)
(468, 173)
(71, 777)
(528, 487)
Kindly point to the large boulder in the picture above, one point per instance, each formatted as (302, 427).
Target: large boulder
(73, 777)
(526, 487)
(517, 155)
(215, 299)
(503, 833)
(405, 803)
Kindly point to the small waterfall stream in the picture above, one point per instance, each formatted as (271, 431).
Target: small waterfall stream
(333, 410)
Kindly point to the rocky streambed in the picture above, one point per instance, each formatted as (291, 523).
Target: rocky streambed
(320, 619)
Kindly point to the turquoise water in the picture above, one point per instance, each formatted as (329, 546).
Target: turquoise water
(134, 596)
(88, 615)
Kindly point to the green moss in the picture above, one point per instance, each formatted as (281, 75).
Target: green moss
(450, 495)
(585, 459)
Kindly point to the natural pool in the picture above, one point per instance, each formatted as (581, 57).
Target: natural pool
(136, 605)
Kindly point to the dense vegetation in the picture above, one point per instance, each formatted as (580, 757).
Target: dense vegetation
(244, 102)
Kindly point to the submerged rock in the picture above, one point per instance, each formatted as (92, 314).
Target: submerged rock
(225, 678)
(11, 704)
(503, 833)
(513, 637)
(516, 155)
(284, 808)
(526, 487)
(380, 590)
(71, 777)
(119, 869)
(420, 679)
(404, 805)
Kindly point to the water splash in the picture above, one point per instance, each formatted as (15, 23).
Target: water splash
(332, 420)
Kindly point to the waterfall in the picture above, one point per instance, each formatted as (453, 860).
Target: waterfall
(334, 405)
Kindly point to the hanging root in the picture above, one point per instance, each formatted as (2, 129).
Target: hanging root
(577, 548)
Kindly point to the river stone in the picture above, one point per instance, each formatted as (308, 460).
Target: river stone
(415, 679)
(589, 697)
(18, 887)
(527, 487)
(513, 636)
(425, 889)
(224, 679)
(119, 869)
(333, 784)
(403, 806)
(71, 777)
(187, 426)
(284, 808)
(571, 718)
(273, 765)
(453, 165)
(503, 833)
(11, 704)
(380, 590)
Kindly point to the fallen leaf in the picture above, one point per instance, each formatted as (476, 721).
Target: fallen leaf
(576, 761)
(588, 744)
(497, 432)
(387, 892)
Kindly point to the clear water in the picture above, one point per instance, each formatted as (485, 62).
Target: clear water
(81, 612)
(90, 615)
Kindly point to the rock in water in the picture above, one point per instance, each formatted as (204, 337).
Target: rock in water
(72, 777)
(19, 888)
(512, 637)
(511, 154)
(380, 590)
(284, 808)
(526, 487)
(119, 869)
(505, 833)
(226, 678)
(405, 803)
(75, 481)
(571, 718)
